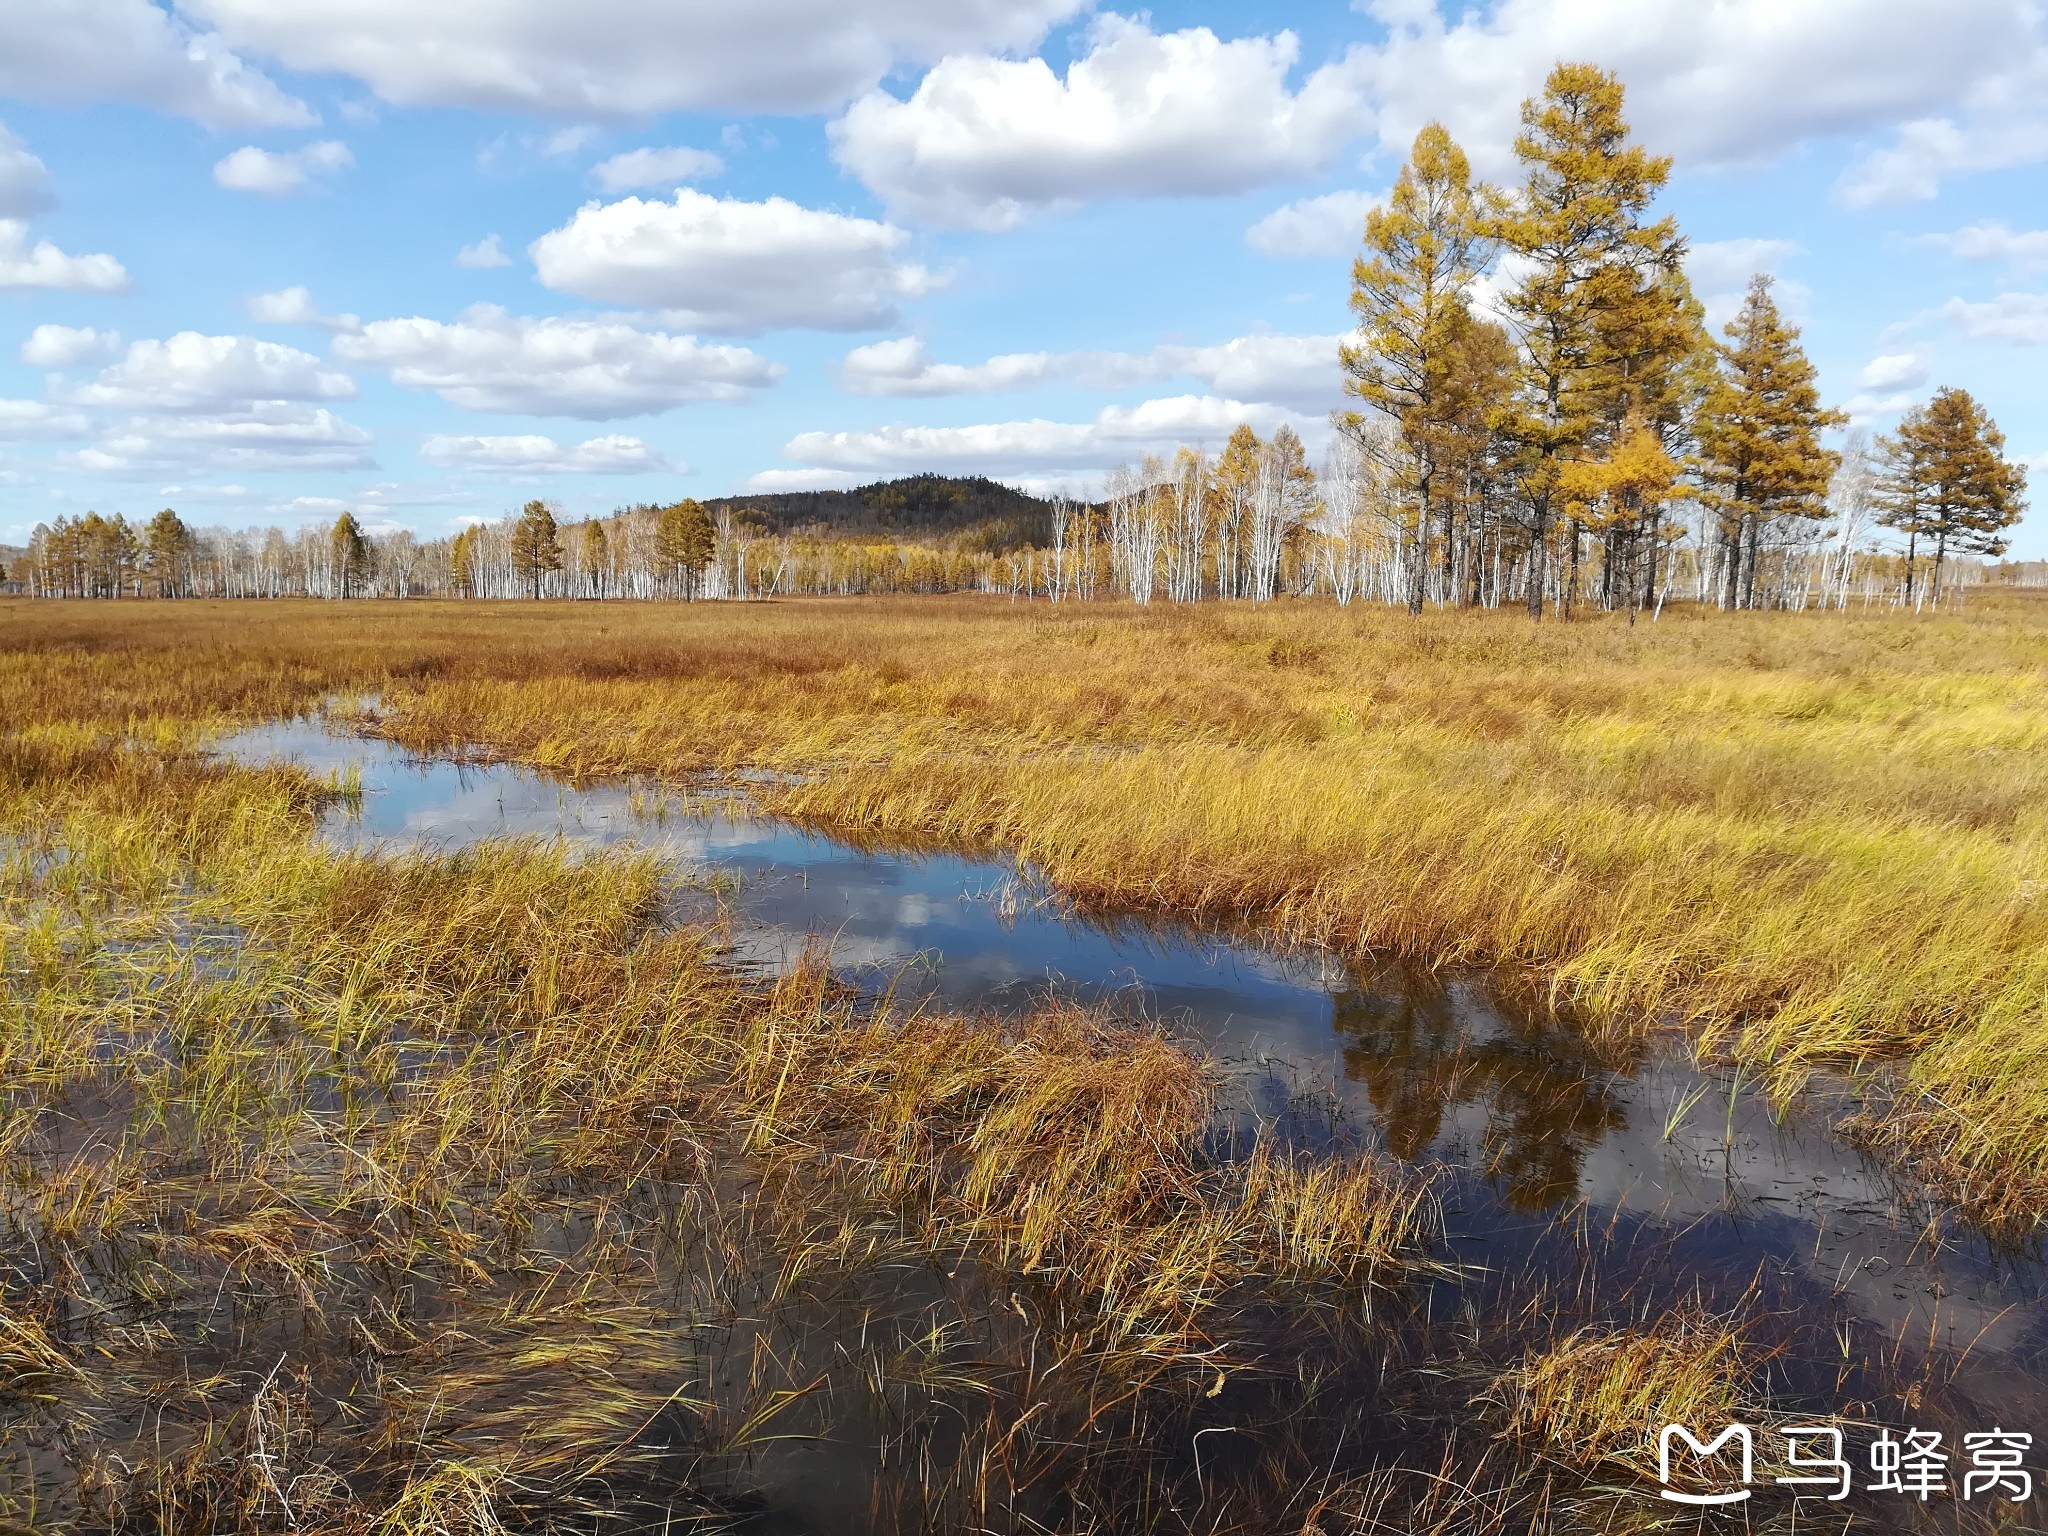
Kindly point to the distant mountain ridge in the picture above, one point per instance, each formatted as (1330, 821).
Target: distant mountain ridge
(977, 512)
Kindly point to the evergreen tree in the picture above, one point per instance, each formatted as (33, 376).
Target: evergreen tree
(1761, 461)
(684, 544)
(350, 553)
(536, 546)
(1946, 479)
(1603, 313)
(1414, 360)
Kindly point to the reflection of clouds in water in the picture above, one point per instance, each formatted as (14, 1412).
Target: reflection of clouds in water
(1434, 1063)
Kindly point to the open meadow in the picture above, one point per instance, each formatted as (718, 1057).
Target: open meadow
(474, 1188)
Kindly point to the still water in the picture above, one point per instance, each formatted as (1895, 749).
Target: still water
(1621, 1179)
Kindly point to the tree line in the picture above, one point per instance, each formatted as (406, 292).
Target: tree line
(1581, 440)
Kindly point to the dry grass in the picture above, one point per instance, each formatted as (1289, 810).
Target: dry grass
(1818, 838)
(419, 1193)
(351, 1194)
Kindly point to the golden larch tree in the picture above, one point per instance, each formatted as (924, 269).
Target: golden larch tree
(1761, 459)
(1946, 481)
(1413, 360)
(1602, 310)
(536, 546)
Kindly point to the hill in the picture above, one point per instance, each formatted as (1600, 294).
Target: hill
(976, 511)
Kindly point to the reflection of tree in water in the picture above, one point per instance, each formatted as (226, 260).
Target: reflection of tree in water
(1420, 1050)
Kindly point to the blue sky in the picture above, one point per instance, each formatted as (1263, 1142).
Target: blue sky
(426, 259)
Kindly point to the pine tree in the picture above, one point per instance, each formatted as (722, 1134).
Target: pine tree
(1415, 321)
(1603, 313)
(536, 546)
(350, 553)
(684, 544)
(1946, 479)
(1761, 460)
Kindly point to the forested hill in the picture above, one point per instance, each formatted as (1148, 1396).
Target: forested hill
(977, 511)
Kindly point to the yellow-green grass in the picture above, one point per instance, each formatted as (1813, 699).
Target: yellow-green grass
(1818, 839)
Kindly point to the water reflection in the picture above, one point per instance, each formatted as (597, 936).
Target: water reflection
(1635, 1177)
(1426, 1051)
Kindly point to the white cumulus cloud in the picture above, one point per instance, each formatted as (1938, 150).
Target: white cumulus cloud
(67, 346)
(195, 372)
(277, 173)
(34, 418)
(904, 367)
(2018, 319)
(773, 481)
(655, 167)
(623, 58)
(985, 142)
(1271, 369)
(1116, 433)
(73, 51)
(1893, 371)
(722, 264)
(486, 253)
(533, 454)
(42, 265)
(487, 360)
(1720, 271)
(1330, 225)
(2023, 249)
(295, 306)
(267, 435)
(1735, 81)
(24, 179)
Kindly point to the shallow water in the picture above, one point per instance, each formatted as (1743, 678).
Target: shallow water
(1617, 1182)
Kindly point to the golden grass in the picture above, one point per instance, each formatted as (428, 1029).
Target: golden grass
(1817, 838)
(401, 1193)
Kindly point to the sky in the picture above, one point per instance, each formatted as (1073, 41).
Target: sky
(266, 260)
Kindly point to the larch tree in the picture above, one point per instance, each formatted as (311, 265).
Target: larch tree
(1630, 482)
(1946, 481)
(167, 547)
(595, 550)
(462, 563)
(349, 554)
(536, 546)
(1761, 459)
(1233, 489)
(1601, 310)
(1413, 362)
(684, 542)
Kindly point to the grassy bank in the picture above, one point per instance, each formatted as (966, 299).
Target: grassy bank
(1818, 839)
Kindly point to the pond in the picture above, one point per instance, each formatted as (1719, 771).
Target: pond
(1622, 1179)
